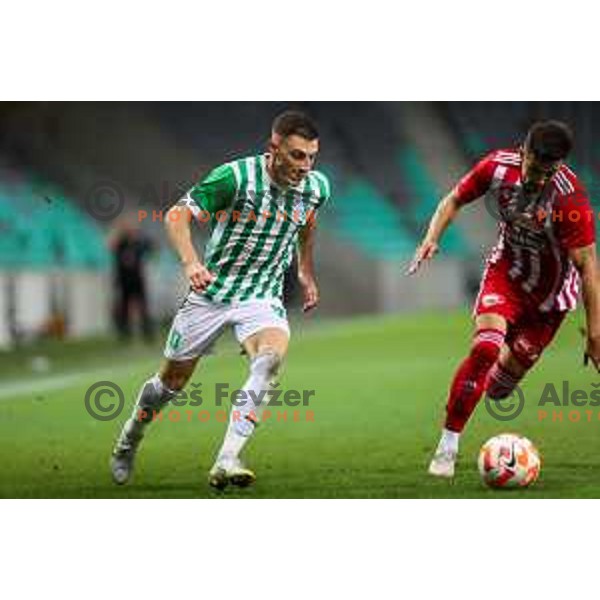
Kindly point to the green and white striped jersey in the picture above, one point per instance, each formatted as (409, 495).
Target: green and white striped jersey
(254, 226)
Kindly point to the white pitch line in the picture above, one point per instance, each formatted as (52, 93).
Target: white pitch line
(15, 389)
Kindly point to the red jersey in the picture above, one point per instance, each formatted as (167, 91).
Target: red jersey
(535, 235)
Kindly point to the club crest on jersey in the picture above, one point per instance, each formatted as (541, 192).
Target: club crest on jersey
(299, 212)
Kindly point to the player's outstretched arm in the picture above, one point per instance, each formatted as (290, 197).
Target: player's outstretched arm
(586, 262)
(444, 215)
(178, 229)
(306, 270)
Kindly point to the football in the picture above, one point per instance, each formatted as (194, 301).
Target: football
(509, 461)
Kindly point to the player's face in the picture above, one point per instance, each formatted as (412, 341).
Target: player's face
(293, 159)
(537, 173)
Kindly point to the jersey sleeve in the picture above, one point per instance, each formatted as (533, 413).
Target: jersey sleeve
(214, 193)
(477, 182)
(323, 195)
(575, 221)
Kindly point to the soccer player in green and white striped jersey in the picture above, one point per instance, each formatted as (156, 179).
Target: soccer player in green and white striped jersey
(260, 210)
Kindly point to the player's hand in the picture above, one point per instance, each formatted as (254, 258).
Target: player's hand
(425, 252)
(592, 352)
(310, 292)
(199, 276)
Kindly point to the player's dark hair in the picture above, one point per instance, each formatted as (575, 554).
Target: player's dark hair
(294, 122)
(549, 141)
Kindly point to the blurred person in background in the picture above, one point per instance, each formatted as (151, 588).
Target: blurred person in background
(130, 249)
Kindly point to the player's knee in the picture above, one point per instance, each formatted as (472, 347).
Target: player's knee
(486, 347)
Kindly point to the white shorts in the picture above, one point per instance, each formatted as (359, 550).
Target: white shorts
(200, 322)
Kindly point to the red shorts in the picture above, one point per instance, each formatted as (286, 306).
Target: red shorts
(530, 331)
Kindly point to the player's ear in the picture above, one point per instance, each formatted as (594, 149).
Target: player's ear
(274, 143)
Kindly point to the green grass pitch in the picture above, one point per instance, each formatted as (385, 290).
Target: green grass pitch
(380, 389)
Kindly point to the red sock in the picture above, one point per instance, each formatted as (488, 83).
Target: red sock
(469, 382)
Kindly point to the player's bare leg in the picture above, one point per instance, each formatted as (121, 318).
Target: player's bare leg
(467, 389)
(154, 395)
(266, 351)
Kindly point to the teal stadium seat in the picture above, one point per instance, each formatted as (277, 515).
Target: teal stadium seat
(366, 219)
(43, 230)
(424, 198)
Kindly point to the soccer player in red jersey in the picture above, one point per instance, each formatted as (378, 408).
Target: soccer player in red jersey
(546, 250)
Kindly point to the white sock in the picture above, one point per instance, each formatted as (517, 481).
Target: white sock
(152, 398)
(449, 441)
(242, 419)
